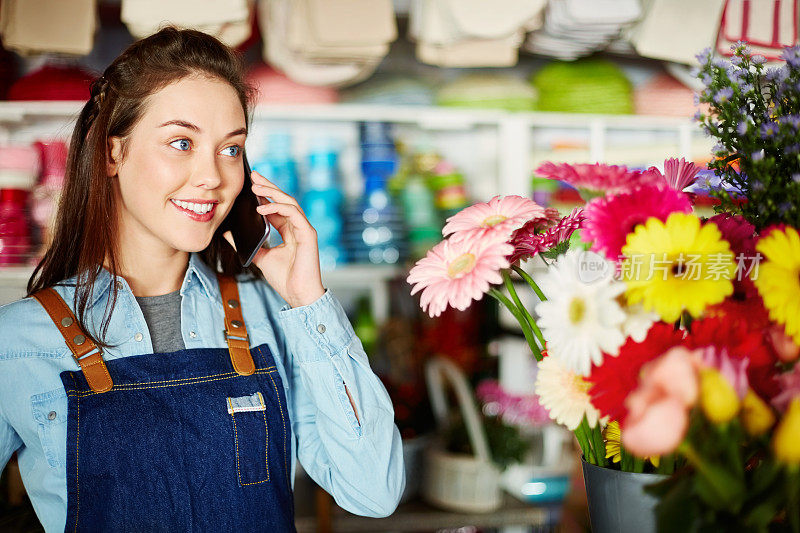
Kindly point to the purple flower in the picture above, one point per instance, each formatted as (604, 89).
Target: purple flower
(736, 60)
(746, 88)
(706, 79)
(698, 115)
(796, 177)
(703, 56)
(768, 130)
(757, 156)
(785, 207)
(735, 75)
(791, 54)
(776, 74)
(719, 147)
(723, 95)
(793, 149)
(719, 62)
(741, 128)
(758, 59)
(792, 120)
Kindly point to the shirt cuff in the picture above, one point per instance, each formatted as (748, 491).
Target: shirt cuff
(317, 330)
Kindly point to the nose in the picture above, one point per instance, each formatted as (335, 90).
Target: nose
(207, 174)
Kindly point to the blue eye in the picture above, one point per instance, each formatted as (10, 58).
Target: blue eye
(181, 140)
(238, 149)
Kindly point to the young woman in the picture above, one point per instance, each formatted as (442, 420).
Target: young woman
(148, 382)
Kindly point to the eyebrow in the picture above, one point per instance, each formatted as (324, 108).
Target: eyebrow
(193, 127)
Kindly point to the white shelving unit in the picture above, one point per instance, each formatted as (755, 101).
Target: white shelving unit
(496, 150)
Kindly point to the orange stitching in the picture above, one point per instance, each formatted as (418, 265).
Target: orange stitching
(230, 375)
(283, 421)
(77, 477)
(266, 430)
(236, 440)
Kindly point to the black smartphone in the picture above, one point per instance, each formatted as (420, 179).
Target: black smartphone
(248, 227)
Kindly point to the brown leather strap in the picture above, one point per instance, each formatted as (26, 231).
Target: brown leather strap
(235, 329)
(92, 365)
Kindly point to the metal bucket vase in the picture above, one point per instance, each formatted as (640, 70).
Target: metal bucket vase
(617, 500)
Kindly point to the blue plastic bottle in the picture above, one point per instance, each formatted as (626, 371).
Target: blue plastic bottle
(322, 204)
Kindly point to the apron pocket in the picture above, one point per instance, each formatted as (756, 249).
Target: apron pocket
(50, 412)
(250, 437)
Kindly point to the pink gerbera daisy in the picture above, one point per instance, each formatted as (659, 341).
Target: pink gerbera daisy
(499, 217)
(527, 243)
(609, 220)
(597, 179)
(678, 174)
(456, 272)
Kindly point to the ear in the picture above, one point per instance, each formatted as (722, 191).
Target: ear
(115, 156)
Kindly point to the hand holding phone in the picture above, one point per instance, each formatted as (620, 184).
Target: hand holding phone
(248, 227)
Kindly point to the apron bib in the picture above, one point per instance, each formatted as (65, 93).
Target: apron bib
(194, 440)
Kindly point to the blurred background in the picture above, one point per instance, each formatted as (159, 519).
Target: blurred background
(383, 118)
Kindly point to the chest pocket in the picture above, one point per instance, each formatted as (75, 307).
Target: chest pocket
(250, 437)
(50, 413)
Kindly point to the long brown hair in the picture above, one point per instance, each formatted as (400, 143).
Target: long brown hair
(85, 231)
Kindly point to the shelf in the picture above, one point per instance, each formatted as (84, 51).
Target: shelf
(360, 278)
(418, 516)
(431, 116)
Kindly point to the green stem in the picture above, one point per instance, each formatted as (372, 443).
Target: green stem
(526, 330)
(793, 500)
(531, 322)
(583, 440)
(599, 444)
(666, 464)
(527, 277)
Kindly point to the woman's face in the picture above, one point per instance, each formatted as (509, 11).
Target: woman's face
(183, 168)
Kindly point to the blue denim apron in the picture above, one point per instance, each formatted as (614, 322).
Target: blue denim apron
(180, 441)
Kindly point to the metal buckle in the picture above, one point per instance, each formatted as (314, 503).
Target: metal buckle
(246, 338)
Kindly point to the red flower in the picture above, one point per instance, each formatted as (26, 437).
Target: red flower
(735, 333)
(619, 376)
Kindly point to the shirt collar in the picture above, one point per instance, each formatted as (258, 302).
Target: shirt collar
(197, 271)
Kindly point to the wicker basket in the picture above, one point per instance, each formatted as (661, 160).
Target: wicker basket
(453, 481)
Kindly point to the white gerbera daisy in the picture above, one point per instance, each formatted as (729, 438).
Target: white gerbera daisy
(581, 319)
(564, 394)
(638, 322)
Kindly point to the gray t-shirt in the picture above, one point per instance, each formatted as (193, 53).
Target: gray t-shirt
(163, 317)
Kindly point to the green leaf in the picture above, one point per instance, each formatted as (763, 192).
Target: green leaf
(556, 250)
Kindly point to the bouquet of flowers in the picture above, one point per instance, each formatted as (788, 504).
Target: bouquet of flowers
(667, 343)
(754, 114)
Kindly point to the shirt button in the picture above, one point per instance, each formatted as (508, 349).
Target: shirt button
(120, 286)
(192, 334)
(138, 337)
(51, 415)
(321, 328)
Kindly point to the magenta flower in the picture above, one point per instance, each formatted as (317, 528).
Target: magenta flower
(597, 179)
(790, 388)
(610, 219)
(456, 272)
(499, 217)
(527, 243)
(678, 174)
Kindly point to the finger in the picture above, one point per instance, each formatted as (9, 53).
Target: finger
(276, 194)
(293, 217)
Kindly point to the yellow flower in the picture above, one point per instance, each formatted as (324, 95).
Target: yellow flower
(677, 265)
(613, 439)
(778, 278)
(717, 397)
(757, 416)
(786, 441)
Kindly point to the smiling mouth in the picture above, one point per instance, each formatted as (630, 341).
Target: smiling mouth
(196, 211)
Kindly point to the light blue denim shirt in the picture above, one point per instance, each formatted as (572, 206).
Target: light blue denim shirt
(316, 352)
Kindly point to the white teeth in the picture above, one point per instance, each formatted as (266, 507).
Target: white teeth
(192, 206)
